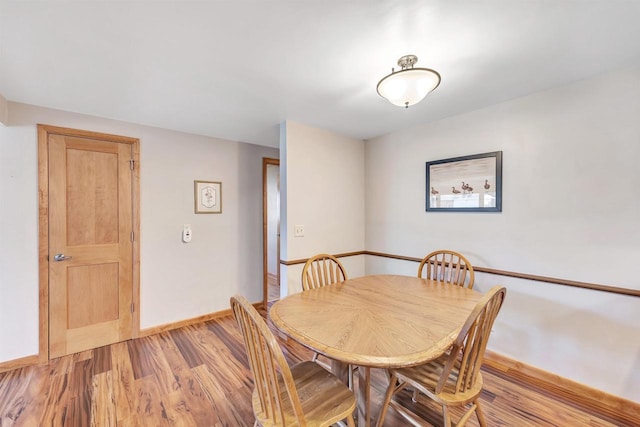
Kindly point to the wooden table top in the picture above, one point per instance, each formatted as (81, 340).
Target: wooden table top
(383, 321)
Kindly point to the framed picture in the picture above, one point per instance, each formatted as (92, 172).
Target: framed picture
(465, 184)
(207, 197)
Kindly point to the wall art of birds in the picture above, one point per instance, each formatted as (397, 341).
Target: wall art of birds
(454, 191)
(434, 191)
(467, 188)
(486, 184)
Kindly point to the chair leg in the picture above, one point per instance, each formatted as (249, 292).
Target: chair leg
(255, 424)
(350, 421)
(479, 414)
(446, 416)
(387, 399)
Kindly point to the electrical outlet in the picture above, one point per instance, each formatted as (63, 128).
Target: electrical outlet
(298, 231)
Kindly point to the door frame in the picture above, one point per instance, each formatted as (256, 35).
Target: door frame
(43, 226)
(266, 161)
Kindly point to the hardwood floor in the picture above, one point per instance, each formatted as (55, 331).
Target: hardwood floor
(273, 288)
(199, 376)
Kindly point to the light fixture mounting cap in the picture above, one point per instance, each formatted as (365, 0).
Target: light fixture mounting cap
(407, 61)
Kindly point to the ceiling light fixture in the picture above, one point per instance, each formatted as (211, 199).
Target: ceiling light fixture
(409, 85)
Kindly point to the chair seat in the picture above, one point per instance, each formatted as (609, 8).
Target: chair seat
(425, 378)
(325, 400)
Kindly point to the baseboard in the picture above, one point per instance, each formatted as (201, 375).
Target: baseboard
(187, 322)
(605, 405)
(10, 365)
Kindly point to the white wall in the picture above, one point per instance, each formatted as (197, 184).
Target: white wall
(18, 242)
(570, 210)
(322, 174)
(178, 281)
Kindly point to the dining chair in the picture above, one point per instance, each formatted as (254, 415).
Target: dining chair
(447, 266)
(454, 379)
(303, 395)
(322, 270)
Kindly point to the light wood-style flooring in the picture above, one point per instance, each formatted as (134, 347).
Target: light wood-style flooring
(273, 288)
(199, 376)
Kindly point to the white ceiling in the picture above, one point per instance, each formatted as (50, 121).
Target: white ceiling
(237, 69)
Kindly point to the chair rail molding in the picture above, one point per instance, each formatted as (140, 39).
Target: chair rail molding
(533, 277)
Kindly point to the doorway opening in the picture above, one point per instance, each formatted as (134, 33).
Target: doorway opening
(271, 229)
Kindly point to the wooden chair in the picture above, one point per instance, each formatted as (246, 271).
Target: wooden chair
(321, 270)
(453, 379)
(303, 395)
(447, 266)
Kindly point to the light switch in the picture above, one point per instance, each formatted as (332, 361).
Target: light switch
(186, 233)
(298, 231)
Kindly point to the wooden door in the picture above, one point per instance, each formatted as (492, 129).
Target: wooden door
(91, 233)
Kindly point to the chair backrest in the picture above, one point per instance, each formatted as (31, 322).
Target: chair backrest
(268, 365)
(321, 270)
(467, 352)
(447, 266)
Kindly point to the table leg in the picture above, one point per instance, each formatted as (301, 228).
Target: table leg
(364, 396)
(340, 370)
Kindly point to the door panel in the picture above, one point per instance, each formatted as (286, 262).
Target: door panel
(91, 196)
(90, 221)
(101, 297)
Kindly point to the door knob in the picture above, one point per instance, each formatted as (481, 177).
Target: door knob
(61, 257)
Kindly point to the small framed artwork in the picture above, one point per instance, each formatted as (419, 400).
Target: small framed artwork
(465, 184)
(207, 197)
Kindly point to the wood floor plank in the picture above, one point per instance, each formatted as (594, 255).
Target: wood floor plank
(238, 413)
(150, 407)
(190, 396)
(178, 411)
(124, 393)
(186, 348)
(55, 409)
(101, 359)
(103, 408)
(31, 398)
(12, 397)
(199, 376)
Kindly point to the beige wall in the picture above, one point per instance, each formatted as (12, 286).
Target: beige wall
(322, 188)
(569, 211)
(178, 281)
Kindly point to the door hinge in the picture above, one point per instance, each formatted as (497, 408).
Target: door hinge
(132, 308)
(133, 237)
(131, 163)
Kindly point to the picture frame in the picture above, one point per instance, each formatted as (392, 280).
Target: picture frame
(207, 197)
(465, 184)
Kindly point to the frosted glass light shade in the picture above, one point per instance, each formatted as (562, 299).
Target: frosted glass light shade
(409, 86)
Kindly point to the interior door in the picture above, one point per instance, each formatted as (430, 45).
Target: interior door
(90, 243)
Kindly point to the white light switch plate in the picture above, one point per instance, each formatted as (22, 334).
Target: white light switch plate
(298, 230)
(186, 233)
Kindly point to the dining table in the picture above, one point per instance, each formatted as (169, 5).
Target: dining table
(376, 321)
